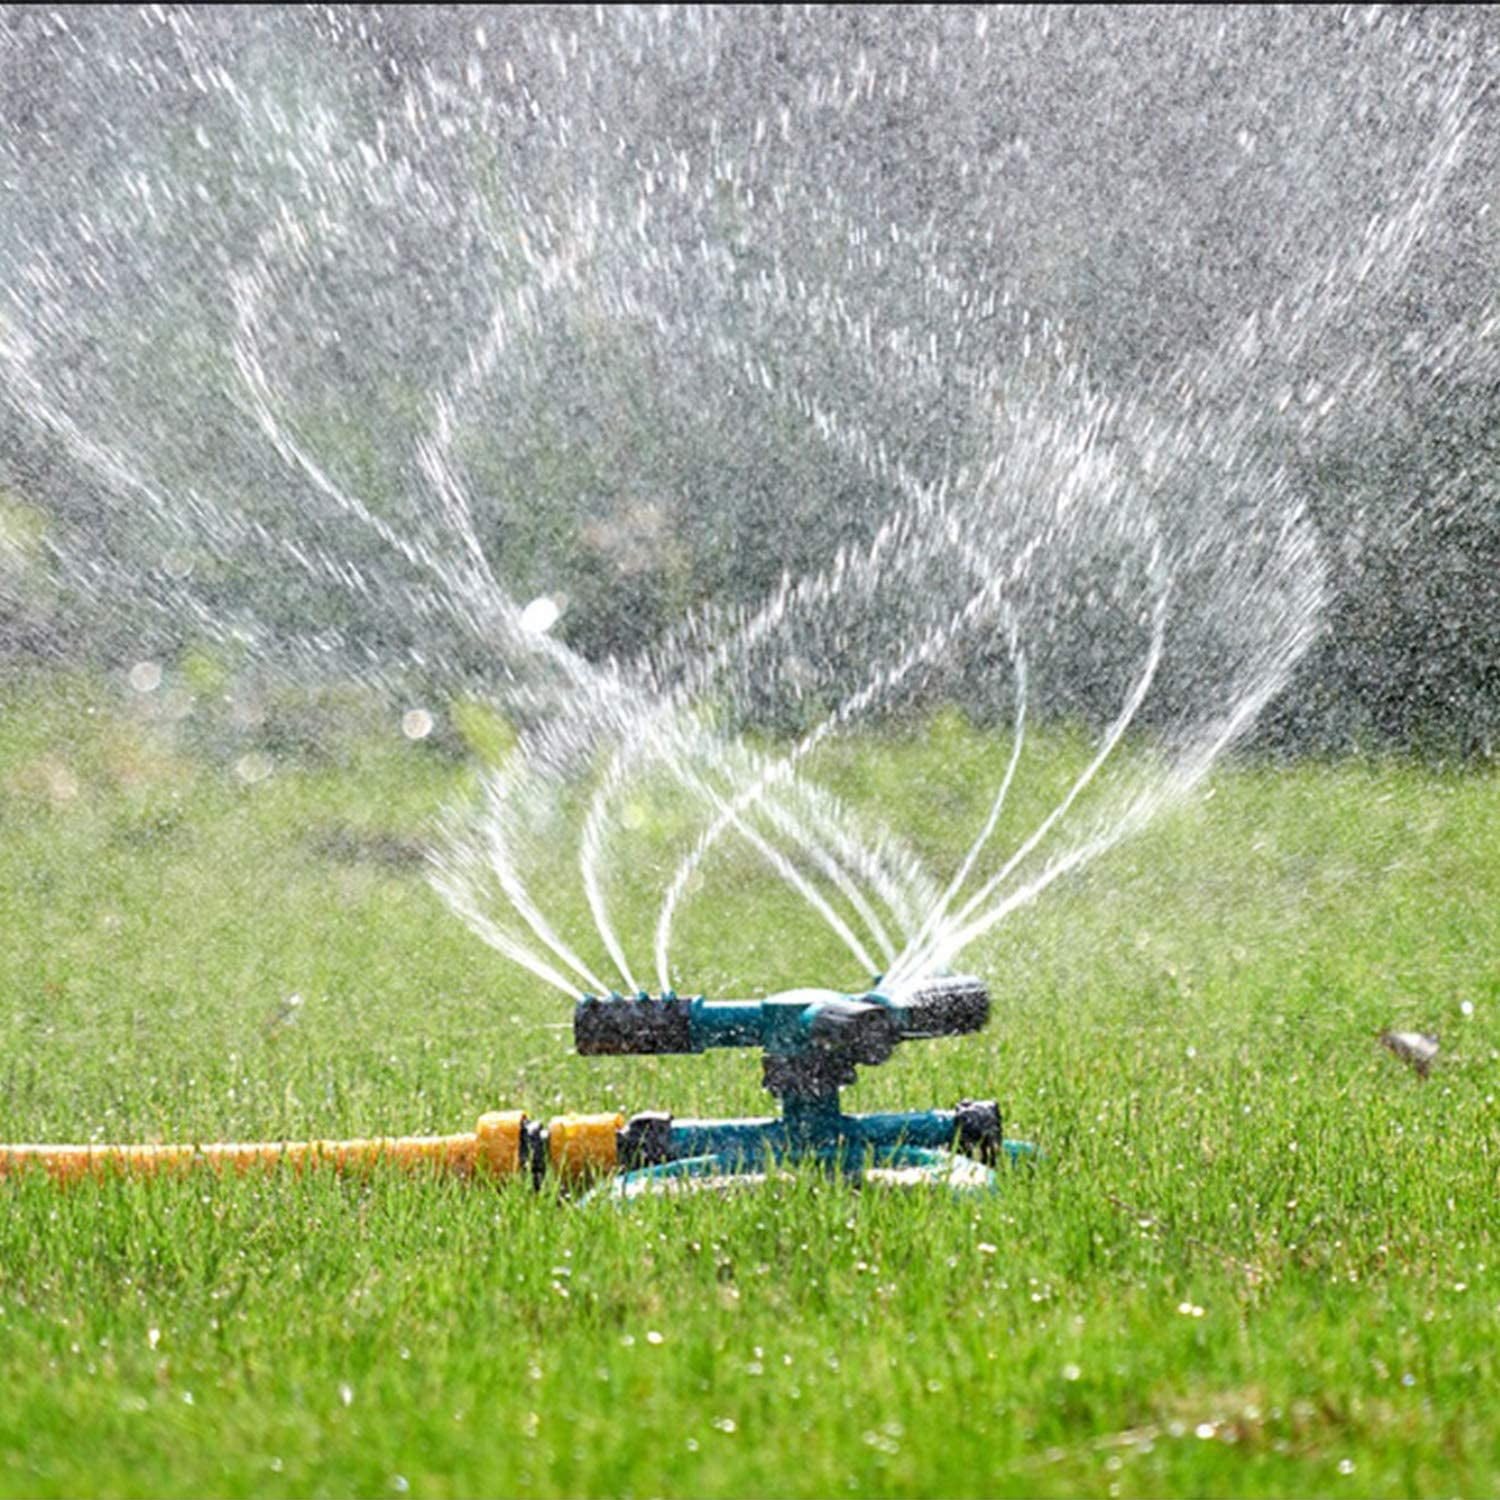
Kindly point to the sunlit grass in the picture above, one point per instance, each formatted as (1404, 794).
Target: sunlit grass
(1259, 1257)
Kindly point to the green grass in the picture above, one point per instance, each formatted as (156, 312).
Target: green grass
(1260, 1257)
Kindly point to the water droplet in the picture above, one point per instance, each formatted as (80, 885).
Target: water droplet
(253, 767)
(541, 615)
(416, 723)
(145, 676)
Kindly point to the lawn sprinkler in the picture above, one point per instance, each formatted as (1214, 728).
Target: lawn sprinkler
(812, 1041)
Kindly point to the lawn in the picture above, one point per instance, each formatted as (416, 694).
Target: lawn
(1259, 1257)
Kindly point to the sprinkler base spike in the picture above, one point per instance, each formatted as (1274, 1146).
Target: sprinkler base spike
(909, 1168)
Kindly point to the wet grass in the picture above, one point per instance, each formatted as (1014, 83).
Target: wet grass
(1260, 1258)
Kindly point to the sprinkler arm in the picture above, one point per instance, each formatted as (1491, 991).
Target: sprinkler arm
(865, 1026)
(812, 1040)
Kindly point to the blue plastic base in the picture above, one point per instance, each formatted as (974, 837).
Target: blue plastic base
(907, 1167)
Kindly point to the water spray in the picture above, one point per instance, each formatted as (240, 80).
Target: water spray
(812, 1042)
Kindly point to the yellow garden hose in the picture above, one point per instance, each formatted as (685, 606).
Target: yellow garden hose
(576, 1146)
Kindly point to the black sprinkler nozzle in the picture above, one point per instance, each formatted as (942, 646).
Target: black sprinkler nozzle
(947, 1007)
(641, 1025)
(858, 1029)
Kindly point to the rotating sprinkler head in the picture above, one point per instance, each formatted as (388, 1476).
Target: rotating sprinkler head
(812, 1041)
